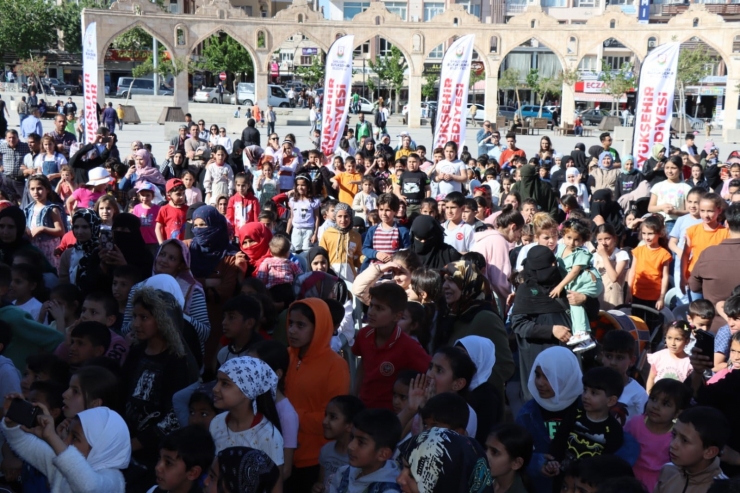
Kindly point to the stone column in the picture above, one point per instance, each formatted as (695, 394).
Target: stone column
(414, 114)
(260, 87)
(490, 100)
(101, 86)
(181, 91)
(731, 113)
(567, 104)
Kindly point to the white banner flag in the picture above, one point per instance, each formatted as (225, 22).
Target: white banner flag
(452, 106)
(655, 101)
(90, 81)
(337, 90)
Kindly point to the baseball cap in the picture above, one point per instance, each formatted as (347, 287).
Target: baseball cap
(172, 183)
(145, 186)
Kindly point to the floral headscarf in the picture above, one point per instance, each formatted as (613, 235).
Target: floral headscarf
(83, 251)
(246, 469)
(253, 376)
(469, 280)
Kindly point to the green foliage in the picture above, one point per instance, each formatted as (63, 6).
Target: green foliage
(27, 25)
(372, 87)
(693, 66)
(428, 90)
(542, 86)
(570, 76)
(617, 82)
(389, 70)
(510, 79)
(475, 78)
(69, 21)
(311, 74)
(225, 54)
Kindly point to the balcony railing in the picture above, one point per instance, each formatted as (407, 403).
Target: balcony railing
(515, 7)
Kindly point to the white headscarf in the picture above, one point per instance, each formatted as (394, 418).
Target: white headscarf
(560, 366)
(253, 376)
(168, 284)
(109, 438)
(483, 353)
(572, 172)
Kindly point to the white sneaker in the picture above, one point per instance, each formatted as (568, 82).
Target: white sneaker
(578, 338)
(585, 346)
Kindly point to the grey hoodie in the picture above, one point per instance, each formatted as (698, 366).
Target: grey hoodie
(382, 480)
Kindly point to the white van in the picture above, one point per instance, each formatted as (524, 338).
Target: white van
(276, 95)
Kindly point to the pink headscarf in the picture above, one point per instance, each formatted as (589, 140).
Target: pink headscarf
(188, 284)
(148, 172)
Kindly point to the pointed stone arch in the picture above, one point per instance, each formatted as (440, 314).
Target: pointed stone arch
(400, 45)
(165, 39)
(589, 50)
(309, 33)
(517, 42)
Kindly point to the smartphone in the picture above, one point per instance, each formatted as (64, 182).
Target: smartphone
(105, 239)
(23, 412)
(172, 148)
(705, 342)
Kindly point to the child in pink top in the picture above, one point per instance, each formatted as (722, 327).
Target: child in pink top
(147, 212)
(86, 196)
(671, 362)
(734, 360)
(653, 429)
(66, 185)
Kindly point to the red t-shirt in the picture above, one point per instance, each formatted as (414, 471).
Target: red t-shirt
(173, 219)
(383, 364)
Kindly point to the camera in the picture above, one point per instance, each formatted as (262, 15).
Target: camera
(23, 412)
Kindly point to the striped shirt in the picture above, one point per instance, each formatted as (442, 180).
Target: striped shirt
(386, 240)
(12, 158)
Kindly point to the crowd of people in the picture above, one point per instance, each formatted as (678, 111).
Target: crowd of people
(261, 318)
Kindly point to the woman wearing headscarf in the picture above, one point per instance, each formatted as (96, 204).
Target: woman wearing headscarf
(13, 240)
(538, 321)
(80, 265)
(236, 158)
(344, 243)
(251, 157)
(531, 187)
(482, 395)
(142, 172)
(254, 241)
(579, 158)
(469, 313)
(441, 461)
(557, 178)
(653, 167)
(129, 247)
(216, 265)
(243, 469)
(429, 243)
(629, 178)
(603, 209)
(605, 176)
(554, 384)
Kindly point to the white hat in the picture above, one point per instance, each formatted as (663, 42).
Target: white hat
(98, 176)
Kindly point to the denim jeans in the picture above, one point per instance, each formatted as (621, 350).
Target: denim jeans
(301, 239)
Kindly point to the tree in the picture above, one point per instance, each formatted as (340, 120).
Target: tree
(165, 68)
(474, 79)
(693, 66)
(134, 43)
(617, 82)
(311, 74)
(510, 79)
(542, 86)
(225, 54)
(27, 25)
(429, 88)
(372, 87)
(33, 68)
(390, 69)
(69, 22)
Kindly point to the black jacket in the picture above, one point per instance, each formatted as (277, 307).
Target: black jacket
(250, 136)
(628, 182)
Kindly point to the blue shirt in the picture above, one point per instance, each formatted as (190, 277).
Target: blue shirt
(722, 341)
(31, 125)
(682, 224)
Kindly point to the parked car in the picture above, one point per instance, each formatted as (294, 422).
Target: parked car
(507, 111)
(277, 97)
(480, 113)
(60, 87)
(529, 111)
(593, 116)
(210, 95)
(140, 86)
(695, 123)
(405, 110)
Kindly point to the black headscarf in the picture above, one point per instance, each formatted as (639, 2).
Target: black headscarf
(189, 219)
(541, 274)
(7, 250)
(433, 251)
(579, 157)
(603, 205)
(132, 244)
(531, 186)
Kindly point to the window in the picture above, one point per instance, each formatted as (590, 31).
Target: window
(652, 43)
(473, 9)
(612, 24)
(432, 9)
(364, 48)
(588, 64)
(384, 47)
(493, 45)
(617, 62)
(286, 57)
(586, 3)
(553, 3)
(398, 8)
(351, 9)
(438, 52)
(247, 9)
(621, 2)
(173, 7)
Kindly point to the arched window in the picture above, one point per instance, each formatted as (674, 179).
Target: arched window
(493, 47)
(300, 18)
(180, 38)
(572, 45)
(652, 43)
(377, 21)
(261, 40)
(696, 23)
(736, 44)
(612, 24)
(454, 21)
(533, 24)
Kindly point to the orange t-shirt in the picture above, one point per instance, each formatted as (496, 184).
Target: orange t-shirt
(348, 191)
(699, 239)
(648, 271)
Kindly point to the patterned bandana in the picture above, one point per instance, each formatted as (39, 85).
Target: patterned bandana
(468, 279)
(253, 377)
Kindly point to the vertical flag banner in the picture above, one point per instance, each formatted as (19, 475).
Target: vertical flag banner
(90, 81)
(337, 89)
(452, 106)
(655, 101)
(643, 14)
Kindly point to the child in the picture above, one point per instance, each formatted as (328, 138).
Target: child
(159, 365)
(648, 276)
(124, 278)
(193, 195)
(382, 241)
(458, 234)
(245, 389)
(88, 340)
(612, 264)
(315, 171)
(185, 455)
(429, 208)
(653, 429)
(732, 364)
(147, 211)
(347, 183)
(304, 216)
(90, 459)
(667, 197)
(89, 387)
(243, 206)
(26, 283)
(384, 348)
(340, 412)
(629, 178)
(445, 410)
(101, 308)
(201, 408)
(107, 209)
(49, 161)
(701, 236)
(509, 450)
(413, 321)
(470, 214)
(699, 436)
(219, 177)
(575, 264)
(85, 197)
(375, 434)
(343, 243)
(328, 206)
(401, 389)
(671, 362)
(573, 179)
(618, 351)
(595, 474)
(43, 367)
(66, 186)
(366, 200)
(726, 332)
(44, 217)
(592, 430)
(241, 316)
(171, 217)
(278, 272)
(267, 184)
(413, 185)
